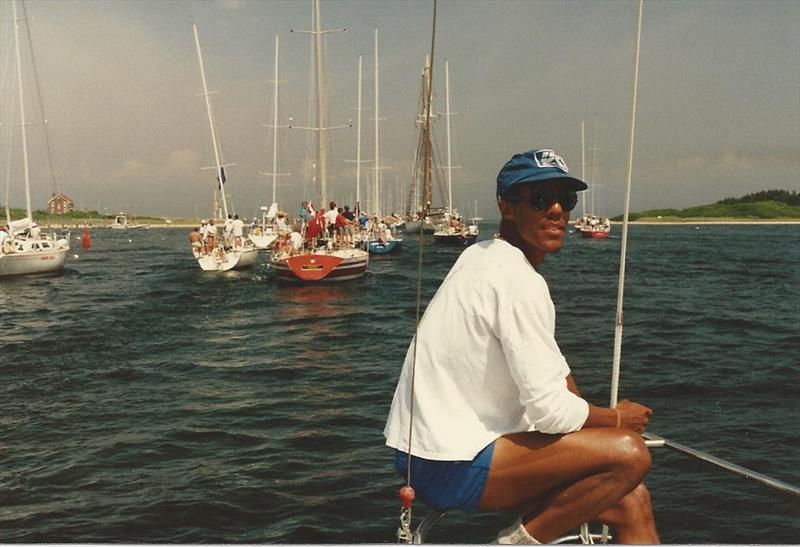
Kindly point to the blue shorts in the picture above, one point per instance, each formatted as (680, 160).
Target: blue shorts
(448, 484)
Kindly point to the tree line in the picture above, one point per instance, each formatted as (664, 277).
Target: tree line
(783, 196)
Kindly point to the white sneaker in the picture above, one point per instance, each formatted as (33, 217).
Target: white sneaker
(516, 534)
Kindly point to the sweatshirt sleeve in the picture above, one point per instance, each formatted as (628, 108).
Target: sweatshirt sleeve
(525, 327)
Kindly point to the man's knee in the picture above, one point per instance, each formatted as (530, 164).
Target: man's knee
(633, 454)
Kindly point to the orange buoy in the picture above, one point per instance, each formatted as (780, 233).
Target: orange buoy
(86, 240)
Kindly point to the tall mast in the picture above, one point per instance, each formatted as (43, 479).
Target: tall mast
(22, 116)
(583, 166)
(321, 105)
(275, 126)
(426, 136)
(594, 163)
(449, 162)
(358, 141)
(358, 161)
(376, 206)
(217, 162)
(322, 151)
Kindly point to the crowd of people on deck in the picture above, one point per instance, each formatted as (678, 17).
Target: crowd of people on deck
(591, 222)
(204, 239)
(330, 227)
(7, 236)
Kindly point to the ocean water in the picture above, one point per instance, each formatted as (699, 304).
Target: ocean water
(142, 400)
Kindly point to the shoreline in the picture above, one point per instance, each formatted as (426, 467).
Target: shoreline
(189, 225)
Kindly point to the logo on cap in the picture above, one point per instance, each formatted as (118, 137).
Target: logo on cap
(548, 158)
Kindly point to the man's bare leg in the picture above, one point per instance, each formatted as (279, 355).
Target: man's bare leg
(561, 481)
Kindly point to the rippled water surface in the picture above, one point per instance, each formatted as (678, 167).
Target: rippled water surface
(142, 400)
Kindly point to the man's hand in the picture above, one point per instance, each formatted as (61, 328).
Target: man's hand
(633, 415)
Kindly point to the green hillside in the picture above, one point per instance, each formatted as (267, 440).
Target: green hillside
(766, 205)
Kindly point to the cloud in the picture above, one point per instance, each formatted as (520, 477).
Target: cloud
(183, 161)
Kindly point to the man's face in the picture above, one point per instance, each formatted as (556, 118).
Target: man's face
(541, 228)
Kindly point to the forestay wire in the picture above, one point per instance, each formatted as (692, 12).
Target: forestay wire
(404, 533)
(615, 370)
(615, 367)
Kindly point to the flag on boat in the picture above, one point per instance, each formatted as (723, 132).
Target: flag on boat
(222, 174)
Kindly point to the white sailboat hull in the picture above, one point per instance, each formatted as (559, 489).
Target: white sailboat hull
(263, 240)
(33, 262)
(222, 261)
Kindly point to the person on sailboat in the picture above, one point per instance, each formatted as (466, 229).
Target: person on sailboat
(237, 229)
(196, 241)
(211, 235)
(315, 228)
(5, 241)
(330, 220)
(303, 214)
(498, 421)
(280, 223)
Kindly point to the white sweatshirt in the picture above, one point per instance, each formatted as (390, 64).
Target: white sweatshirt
(487, 361)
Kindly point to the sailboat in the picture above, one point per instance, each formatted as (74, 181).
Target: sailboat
(419, 213)
(326, 262)
(24, 249)
(591, 226)
(220, 257)
(453, 231)
(380, 239)
(266, 233)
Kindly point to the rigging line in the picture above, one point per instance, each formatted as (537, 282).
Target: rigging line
(420, 240)
(620, 293)
(615, 367)
(766, 480)
(47, 139)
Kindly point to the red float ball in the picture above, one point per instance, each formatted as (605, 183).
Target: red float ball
(406, 496)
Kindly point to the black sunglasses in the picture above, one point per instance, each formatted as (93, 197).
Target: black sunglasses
(543, 199)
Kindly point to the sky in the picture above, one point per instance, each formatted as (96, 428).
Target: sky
(718, 101)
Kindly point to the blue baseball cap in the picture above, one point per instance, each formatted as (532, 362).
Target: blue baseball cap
(535, 166)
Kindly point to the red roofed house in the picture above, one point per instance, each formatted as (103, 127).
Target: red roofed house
(60, 204)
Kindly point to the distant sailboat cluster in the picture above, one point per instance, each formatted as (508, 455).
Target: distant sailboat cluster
(318, 241)
(326, 242)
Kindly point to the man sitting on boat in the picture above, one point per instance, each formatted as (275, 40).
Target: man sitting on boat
(498, 421)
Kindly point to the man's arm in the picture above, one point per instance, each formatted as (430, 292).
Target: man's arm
(627, 414)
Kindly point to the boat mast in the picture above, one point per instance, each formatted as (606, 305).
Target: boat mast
(22, 117)
(217, 163)
(376, 206)
(449, 162)
(358, 160)
(322, 149)
(275, 127)
(426, 133)
(594, 150)
(358, 142)
(583, 166)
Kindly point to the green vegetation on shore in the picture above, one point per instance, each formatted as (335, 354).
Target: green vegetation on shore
(91, 218)
(765, 205)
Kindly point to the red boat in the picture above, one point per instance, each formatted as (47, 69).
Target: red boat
(322, 266)
(594, 234)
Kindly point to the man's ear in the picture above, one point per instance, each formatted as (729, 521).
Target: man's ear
(506, 210)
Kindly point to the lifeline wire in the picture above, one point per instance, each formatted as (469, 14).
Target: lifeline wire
(426, 159)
